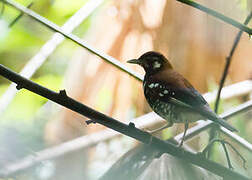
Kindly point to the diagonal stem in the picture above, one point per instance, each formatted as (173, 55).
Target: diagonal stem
(228, 62)
(218, 15)
(74, 38)
(2, 9)
(48, 48)
(213, 131)
(19, 16)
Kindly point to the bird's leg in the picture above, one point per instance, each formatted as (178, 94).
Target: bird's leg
(169, 124)
(183, 138)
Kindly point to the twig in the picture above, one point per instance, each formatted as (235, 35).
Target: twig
(144, 137)
(48, 48)
(228, 62)
(244, 143)
(227, 155)
(223, 143)
(19, 16)
(224, 75)
(2, 9)
(218, 15)
(74, 38)
(205, 152)
(70, 36)
(203, 125)
(239, 154)
(90, 121)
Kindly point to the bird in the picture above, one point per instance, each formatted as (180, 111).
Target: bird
(171, 96)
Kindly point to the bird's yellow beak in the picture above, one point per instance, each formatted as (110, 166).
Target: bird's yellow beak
(134, 61)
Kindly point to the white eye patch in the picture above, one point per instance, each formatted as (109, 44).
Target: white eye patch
(156, 65)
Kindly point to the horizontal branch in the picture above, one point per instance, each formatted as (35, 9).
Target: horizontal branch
(218, 15)
(74, 38)
(129, 130)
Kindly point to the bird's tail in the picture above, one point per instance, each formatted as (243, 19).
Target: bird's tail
(207, 112)
(223, 123)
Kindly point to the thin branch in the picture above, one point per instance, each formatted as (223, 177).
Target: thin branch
(218, 15)
(62, 99)
(48, 48)
(241, 141)
(228, 62)
(227, 155)
(223, 142)
(2, 9)
(213, 131)
(74, 38)
(206, 150)
(203, 125)
(234, 90)
(90, 140)
(239, 154)
(19, 16)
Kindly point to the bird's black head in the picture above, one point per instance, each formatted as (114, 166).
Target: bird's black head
(152, 62)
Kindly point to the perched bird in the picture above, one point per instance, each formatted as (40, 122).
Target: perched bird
(171, 96)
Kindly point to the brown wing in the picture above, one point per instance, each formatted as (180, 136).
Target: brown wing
(179, 88)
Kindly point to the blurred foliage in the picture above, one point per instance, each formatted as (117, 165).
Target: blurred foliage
(21, 42)
(30, 102)
(21, 125)
(245, 4)
(31, 38)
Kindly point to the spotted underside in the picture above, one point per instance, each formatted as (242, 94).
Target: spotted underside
(158, 95)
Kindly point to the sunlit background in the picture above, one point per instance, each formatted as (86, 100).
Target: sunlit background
(196, 44)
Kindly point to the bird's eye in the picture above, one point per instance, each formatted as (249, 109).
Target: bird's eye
(156, 65)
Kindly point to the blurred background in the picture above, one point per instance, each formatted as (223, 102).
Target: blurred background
(196, 44)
